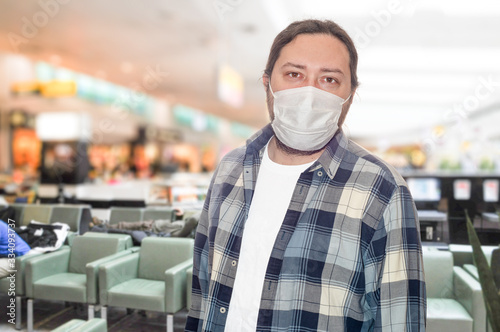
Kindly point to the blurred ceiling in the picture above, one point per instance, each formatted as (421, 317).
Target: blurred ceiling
(422, 63)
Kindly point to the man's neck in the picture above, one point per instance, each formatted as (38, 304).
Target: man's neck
(281, 157)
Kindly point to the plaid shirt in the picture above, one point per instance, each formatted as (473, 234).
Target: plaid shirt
(347, 257)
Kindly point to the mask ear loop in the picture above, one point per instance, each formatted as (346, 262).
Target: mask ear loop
(271, 89)
(345, 101)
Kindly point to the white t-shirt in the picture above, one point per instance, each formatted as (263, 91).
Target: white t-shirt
(273, 192)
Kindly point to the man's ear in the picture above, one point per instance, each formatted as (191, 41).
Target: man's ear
(265, 80)
(346, 107)
(351, 97)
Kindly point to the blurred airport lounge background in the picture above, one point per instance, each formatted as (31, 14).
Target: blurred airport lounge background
(131, 104)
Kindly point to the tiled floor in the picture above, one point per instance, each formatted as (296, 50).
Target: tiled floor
(49, 315)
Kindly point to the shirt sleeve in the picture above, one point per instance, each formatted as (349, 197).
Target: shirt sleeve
(401, 284)
(200, 281)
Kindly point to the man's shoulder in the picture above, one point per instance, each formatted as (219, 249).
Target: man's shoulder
(235, 156)
(230, 165)
(375, 164)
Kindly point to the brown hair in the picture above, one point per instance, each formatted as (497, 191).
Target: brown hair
(314, 27)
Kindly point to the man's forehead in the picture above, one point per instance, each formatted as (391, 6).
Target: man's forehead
(319, 47)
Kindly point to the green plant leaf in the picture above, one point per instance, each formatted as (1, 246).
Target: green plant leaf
(490, 292)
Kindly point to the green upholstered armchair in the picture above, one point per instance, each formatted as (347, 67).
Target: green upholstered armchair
(152, 279)
(488, 253)
(471, 268)
(20, 291)
(71, 275)
(77, 217)
(24, 213)
(454, 298)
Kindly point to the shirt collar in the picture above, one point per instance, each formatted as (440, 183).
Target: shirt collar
(329, 160)
(334, 153)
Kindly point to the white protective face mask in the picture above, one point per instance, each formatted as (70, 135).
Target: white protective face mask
(306, 118)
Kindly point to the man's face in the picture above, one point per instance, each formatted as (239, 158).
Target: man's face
(317, 60)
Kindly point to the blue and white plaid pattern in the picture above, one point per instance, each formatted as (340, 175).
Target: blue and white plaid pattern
(347, 257)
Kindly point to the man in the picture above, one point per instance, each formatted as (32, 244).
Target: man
(302, 229)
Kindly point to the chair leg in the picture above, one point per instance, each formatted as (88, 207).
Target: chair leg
(170, 323)
(30, 315)
(19, 311)
(91, 311)
(104, 312)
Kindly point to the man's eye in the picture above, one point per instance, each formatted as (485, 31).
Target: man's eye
(293, 75)
(330, 80)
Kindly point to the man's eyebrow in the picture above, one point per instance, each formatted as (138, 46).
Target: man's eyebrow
(290, 64)
(332, 70)
(323, 69)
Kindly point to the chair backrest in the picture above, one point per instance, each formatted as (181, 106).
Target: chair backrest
(158, 254)
(86, 249)
(70, 215)
(40, 213)
(19, 209)
(158, 213)
(438, 268)
(462, 253)
(118, 214)
(85, 220)
(125, 240)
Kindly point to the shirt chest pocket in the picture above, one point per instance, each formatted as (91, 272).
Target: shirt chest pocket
(322, 255)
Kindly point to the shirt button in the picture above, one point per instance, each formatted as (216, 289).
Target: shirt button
(320, 173)
(233, 263)
(222, 310)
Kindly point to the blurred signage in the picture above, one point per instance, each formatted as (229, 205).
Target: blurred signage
(57, 126)
(29, 87)
(461, 190)
(53, 89)
(195, 119)
(48, 89)
(490, 190)
(58, 82)
(200, 121)
(230, 86)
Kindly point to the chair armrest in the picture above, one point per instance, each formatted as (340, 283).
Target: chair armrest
(472, 270)
(20, 268)
(70, 237)
(468, 292)
(45, 265)
(92, 272)
(175, 286)
(20, 271)
(113, 273)
(134, 249)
